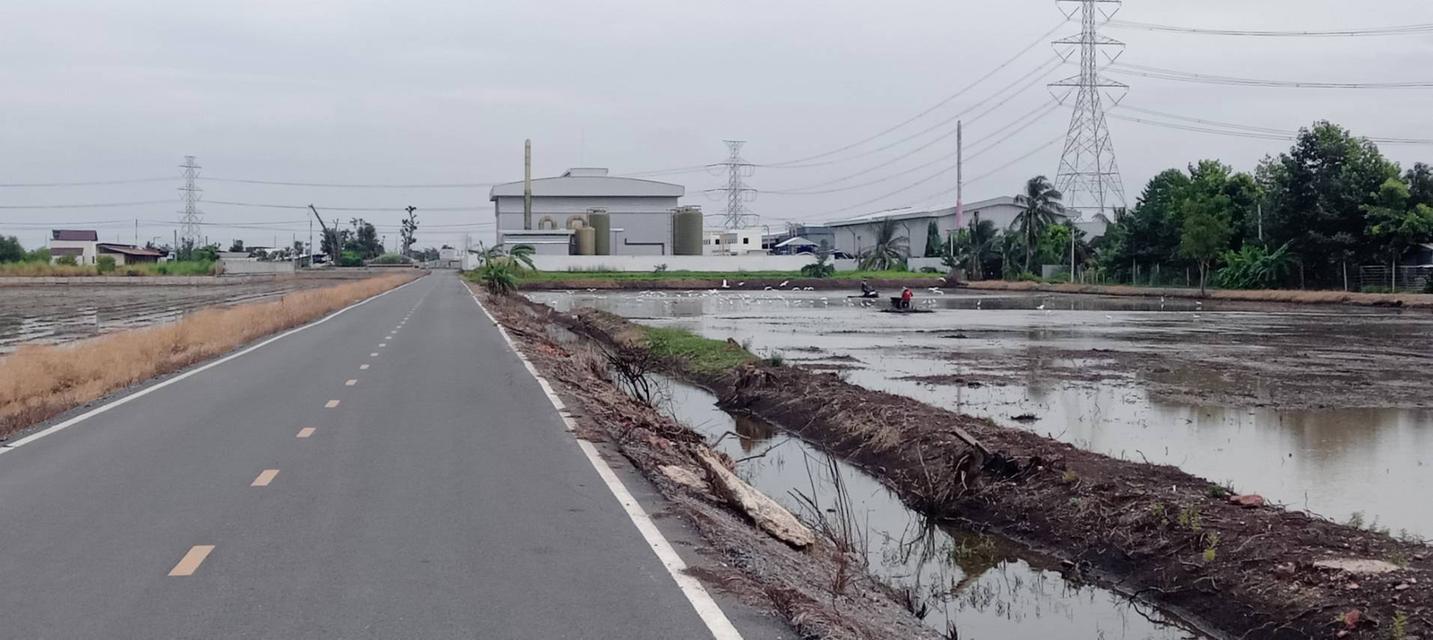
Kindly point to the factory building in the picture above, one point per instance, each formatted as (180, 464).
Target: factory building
(585, 211)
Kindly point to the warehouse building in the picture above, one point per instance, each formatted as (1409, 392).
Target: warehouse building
(638, 214)
(857, 235)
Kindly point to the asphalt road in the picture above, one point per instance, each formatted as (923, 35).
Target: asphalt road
(427, 491)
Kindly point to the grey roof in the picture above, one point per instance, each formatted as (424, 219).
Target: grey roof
(590, 182)
(908, 214)
(74, 235)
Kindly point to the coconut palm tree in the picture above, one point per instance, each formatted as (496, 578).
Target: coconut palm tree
(1041, 205)
(889, 251)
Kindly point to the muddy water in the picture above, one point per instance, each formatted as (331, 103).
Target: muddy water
(1319, 408)
(973, 583)
(57, 314)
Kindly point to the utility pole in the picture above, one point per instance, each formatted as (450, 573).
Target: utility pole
(1089, 175)
(1261, 222)
(310, 243)
(136, 232)
(737, 192)
(527, 185)
(191, 219)
(959, 174)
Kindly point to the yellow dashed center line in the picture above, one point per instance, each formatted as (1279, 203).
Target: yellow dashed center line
(350, 383)
(265, 477)
(191, 561)
(305, 432)
(331, 404)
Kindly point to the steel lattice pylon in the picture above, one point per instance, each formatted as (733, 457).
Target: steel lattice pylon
(737, 192)
(1089, 175)
(191, 218)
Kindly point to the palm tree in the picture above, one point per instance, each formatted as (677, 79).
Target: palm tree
(518, 257)
(982, 240)
(890, 250)
(1041, 205)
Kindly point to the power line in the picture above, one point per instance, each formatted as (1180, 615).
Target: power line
(90, 183)
(941, 103)
(335, 185)
(394, 209)
(89, 205)
(1038, 73)
(1286, 134)
(1411, 29)
(1199, 78)
(1038, 113)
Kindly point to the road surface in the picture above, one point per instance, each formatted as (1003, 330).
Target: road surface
(392, 472)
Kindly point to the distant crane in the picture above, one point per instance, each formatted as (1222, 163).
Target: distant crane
(333, 259)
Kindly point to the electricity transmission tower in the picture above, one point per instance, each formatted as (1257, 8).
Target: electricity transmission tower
(1089, 175)
(738, 193)
(191, 218)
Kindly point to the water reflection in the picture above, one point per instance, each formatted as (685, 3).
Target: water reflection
(978, 583)
(1075, 366)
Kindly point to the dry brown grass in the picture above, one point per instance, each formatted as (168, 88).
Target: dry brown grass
(1417, 300)
(37, 383)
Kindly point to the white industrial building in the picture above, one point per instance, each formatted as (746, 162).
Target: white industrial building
(732, 242)
(640, 212)
(858, 234)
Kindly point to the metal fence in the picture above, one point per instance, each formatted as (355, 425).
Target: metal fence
(1382, 278)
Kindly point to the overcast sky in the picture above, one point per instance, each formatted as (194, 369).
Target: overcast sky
(445, 92)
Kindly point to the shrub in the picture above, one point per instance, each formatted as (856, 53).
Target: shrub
(68, 261)
(929, 270)
(497, 278)
(821, 268)
(388, 258)
(105, 264)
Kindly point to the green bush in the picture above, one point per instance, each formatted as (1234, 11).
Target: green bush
(350, 259)
(68, 261)
(497, 278)
(821, 268)
(105, 264)
(388, 258)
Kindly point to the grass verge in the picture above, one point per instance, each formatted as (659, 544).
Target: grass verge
(45, 269)
(700, 354)
(40, 382)
(733, 276)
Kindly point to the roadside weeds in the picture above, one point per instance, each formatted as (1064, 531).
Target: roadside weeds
(40, 382)
(814, 589)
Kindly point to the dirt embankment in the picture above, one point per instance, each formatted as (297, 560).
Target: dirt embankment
(888, 286)
(820, 591)
(1245, 568)
(1409, 300)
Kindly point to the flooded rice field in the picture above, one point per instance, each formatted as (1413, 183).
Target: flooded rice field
(974, 584)
(1322, 408)
(63, 313)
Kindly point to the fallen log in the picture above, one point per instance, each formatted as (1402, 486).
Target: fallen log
(762, 510)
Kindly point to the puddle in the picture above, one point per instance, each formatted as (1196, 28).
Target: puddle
(975, 583)
(1318, 408)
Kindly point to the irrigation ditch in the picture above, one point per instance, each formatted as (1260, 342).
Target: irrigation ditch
(1232, 565)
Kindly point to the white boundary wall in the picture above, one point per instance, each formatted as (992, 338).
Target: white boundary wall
(679, 263)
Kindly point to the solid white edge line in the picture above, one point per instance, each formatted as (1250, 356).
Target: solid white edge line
(148, 390)
(707, 609)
